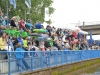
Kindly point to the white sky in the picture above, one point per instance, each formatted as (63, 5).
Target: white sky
(73, 11)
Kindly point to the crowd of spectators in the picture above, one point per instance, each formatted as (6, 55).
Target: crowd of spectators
(53, 39)
(62, 39)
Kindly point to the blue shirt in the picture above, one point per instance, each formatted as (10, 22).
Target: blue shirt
(38, 26)
(20, 53)
(29, 24)
(21, 41)
(4, 23)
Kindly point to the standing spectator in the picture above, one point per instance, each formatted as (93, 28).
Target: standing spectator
(20, 57)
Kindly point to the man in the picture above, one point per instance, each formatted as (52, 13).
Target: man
(29, 24)
(38, 25)
(19, 54)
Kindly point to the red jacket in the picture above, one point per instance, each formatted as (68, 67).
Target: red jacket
(22, 24)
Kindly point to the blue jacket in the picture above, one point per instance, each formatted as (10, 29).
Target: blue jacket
(20, 53)
(29, 24)
(38, 26)
(4, 23)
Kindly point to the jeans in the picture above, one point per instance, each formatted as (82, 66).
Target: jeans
(23, 64)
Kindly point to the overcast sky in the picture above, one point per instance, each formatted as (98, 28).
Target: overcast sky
(73, 11)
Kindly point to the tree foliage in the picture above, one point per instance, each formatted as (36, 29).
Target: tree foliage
(36, 12)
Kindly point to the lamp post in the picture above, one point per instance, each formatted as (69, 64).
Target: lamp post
(26, 14)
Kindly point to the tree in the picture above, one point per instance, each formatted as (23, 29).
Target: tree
(36, 12)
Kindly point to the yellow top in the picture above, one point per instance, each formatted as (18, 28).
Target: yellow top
(2, 44)
(25, 43)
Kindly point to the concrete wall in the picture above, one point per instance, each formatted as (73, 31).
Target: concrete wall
(68, 69)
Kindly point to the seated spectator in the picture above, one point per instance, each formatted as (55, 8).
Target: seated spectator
(74, 40)
(79, 46)
(20, 57)
(74, 34)
(41, 46)
(22, 24)
(7, 20)
(38, 25)
(4, 23)
(3, 44)
(1, 31)
(75, 47)
(20, 40)
(3, 41)
(15, 41)
(12, 23)
(29, 48)
(29, 25)
(67, 46)
(47, 45)
(34, 44)
(25, 41)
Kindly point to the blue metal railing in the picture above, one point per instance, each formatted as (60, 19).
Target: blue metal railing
(40, 60)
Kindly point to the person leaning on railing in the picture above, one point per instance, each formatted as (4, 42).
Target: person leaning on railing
(19, 54)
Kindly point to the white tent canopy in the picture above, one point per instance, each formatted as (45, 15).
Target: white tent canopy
(70, 27)
(83, 32)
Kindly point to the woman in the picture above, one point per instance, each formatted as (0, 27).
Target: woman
(3, 41)
(3, 44)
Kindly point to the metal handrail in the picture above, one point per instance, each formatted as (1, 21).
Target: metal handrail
(40, 60)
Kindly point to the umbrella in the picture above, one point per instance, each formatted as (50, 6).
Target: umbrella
(40, 39)
(40, 30)
(43, 37)
(35, 34)
(24, 34)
